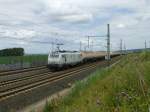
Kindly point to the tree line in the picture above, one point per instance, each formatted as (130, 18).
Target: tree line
(12, 52)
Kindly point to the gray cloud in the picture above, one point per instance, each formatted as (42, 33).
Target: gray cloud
(66, 21)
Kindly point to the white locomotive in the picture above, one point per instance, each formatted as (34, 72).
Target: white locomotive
(59, 59)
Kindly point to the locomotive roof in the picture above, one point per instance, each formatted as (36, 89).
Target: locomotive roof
(66, 52)
(63, 51)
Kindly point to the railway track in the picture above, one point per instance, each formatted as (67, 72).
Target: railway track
(21, 76)
(26, 83)
(41, 81)
(10, 72)
(33, 77)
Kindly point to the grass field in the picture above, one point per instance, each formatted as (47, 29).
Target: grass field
(27, 58)
(124, 87)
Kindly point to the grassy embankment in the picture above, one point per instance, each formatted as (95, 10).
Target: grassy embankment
(27, 58)
(123, 88)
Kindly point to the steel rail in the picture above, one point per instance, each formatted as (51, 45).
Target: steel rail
(31, 81)
(9, 82)
(23, 77)
(32, 86)
(26, 88)
(10, 72)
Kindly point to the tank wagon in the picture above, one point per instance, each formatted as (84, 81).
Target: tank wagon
(93, 56)
(59, 59)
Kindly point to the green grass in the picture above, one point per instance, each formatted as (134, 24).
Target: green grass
(123, 88)
(27, 58)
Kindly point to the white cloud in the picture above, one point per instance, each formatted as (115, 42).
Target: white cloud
(16, 32)
(121, 25)
(124, 20)
(72, 19)
(76, 18)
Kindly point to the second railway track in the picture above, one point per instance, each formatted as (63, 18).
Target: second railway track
(41, 82)
(34, 77)
(24, 84)
(22, 75)
(10, 72)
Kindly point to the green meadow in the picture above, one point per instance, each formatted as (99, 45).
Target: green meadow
(125, 87)
(26, 58)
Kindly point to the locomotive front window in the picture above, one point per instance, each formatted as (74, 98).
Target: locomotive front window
(54, 55)
(63, 56)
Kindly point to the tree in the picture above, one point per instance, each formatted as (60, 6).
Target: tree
(12, 52)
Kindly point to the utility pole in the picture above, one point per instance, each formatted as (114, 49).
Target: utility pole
(84, 48)
(52, 46)
(124, 48)
(88, 41)
(107, 57)
(149, 46)
(92, 45)
(108, 44)
(80, 46)
(120, 46)
(145, 45)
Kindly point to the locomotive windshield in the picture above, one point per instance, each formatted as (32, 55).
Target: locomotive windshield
(54, 55)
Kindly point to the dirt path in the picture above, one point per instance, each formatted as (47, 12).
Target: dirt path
(38, 107)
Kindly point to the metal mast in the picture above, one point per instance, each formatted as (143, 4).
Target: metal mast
(108, 43)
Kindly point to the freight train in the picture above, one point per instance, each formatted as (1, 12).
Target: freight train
(63, 59)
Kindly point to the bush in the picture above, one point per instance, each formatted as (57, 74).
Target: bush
(12, 52)
(122, 88)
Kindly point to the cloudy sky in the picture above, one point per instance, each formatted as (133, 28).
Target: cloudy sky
(35, 24)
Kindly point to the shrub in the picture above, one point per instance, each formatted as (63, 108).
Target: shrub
(12, 52)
